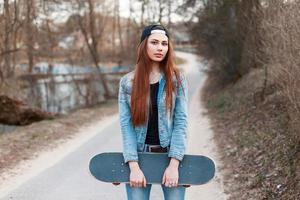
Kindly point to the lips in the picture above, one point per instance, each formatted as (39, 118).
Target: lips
(158, 55)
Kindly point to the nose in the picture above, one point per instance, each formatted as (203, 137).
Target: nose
(159, 47)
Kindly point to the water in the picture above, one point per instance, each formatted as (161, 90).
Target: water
(63, 88)
(71, 87)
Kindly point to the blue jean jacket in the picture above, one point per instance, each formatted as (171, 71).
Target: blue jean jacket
(172, 125)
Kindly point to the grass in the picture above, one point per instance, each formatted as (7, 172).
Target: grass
(220, 102)
(259, 148)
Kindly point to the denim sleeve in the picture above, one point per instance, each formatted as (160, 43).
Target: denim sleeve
(180, 120)
(127, 130)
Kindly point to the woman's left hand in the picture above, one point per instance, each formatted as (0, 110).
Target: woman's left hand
(170, 177)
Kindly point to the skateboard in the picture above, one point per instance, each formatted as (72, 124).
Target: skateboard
(193, 169)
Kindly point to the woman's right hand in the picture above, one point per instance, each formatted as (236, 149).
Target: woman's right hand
(137, 178)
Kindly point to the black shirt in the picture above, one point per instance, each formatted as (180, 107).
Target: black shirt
(152, 136)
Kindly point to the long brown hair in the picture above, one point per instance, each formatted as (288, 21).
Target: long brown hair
(141, 86)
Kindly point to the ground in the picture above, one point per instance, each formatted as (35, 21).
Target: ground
(259, 150)
(26, 142)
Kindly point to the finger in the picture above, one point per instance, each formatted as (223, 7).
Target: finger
(167, 184)
(132, 184)
(145, 182)
(140, 183)
(137, 184)
(176, 183)
(173, 183)
(164, 179)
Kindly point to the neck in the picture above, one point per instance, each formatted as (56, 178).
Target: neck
(155, 67)
(155, 73)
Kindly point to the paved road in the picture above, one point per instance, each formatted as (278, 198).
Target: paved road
(69, 178)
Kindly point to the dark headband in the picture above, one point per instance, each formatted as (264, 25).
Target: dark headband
(155, 28)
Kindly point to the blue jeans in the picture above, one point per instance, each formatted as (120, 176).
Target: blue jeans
(143, 193)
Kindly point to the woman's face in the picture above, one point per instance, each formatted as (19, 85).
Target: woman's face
(157, 46)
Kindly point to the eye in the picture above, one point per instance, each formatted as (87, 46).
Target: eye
(165, 44)
(153, 42)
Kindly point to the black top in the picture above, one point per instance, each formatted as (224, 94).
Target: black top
(152, 136)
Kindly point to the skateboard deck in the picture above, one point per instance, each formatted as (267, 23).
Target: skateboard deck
(193, 169)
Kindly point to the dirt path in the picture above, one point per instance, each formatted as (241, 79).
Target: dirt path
(201, 142)
(200, 138)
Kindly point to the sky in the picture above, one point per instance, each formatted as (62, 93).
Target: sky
(124, 8)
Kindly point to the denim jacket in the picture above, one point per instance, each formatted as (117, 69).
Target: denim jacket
(172, 125)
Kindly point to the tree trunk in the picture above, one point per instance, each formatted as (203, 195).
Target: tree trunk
(143, 12)
(15, 112)
(119, 27)
(29, 35)
(114, 32)
(169, 13)
(7, 56)
(93, 47)
(161, 9)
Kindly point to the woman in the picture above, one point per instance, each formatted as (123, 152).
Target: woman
(153, 113)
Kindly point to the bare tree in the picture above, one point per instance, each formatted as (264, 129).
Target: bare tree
(169, 13)
(114, 30)
(91, 40)
(8, 36)
(160, 10)
(7, 57)
(144, 3)
(29, 34)
(119, 26)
